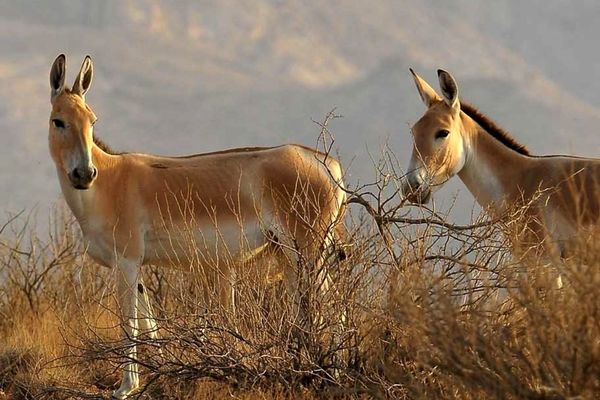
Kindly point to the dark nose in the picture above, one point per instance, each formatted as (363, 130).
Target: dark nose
(415, 191)
(84, 174)
(81, 177)
(414, 182)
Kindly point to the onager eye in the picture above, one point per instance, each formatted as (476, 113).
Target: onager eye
(442, 133)
(58, 123)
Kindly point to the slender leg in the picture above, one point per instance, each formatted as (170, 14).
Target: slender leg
(146, 320)
(297, 280)
(230, 290)
(127, 295)
(293, 276)
(324, 286)
(324, 282)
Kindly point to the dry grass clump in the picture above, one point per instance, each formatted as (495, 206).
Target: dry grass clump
(431, 310)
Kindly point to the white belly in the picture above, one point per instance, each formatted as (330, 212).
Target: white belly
(188, 246)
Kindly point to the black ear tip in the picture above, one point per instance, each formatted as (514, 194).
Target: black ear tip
(441, 72)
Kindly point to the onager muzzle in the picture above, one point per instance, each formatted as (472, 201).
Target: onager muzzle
(82, 177)
(415, 190)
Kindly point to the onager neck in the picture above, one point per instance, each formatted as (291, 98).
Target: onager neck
(492, 171)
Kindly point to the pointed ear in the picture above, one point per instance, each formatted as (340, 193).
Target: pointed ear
(428, 95)
(57, 76)
(84, 78)
(449, 89)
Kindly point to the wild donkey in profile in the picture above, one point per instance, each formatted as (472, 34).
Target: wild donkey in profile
(559, 193)
(136, 209)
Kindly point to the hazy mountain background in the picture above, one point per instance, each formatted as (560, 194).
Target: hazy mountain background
(194, 76)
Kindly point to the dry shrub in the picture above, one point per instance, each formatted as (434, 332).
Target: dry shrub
(431, 310)
(466, 319)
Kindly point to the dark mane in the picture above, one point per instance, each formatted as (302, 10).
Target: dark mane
(104, 147)
(492, 128)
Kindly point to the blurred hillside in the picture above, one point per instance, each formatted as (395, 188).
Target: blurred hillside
(195, 76)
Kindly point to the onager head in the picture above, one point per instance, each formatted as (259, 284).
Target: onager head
(439, 144)
(71, 124)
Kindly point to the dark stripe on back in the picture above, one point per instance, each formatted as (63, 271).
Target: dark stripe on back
(227, 151)
(492, 128)
(107, 149)
(247, 150)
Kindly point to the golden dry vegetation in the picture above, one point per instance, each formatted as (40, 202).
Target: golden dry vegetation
(432, 310)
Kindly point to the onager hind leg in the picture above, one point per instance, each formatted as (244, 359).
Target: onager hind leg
(307, 278)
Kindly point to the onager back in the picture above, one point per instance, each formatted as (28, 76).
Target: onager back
(220, 209)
